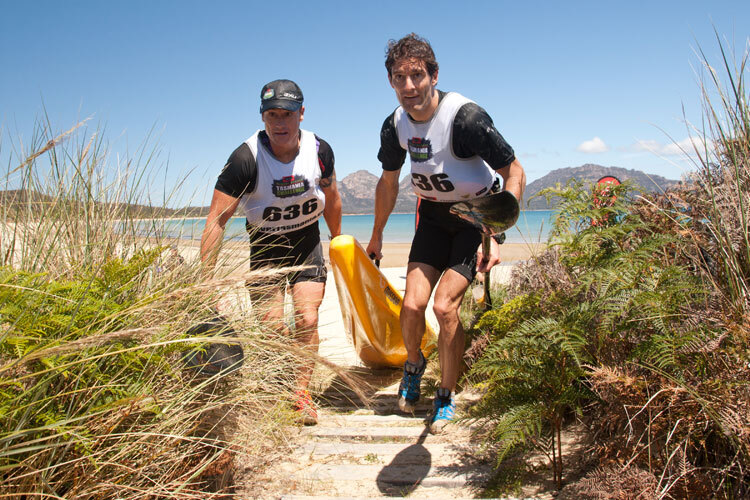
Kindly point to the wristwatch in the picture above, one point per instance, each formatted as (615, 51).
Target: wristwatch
(499, 238)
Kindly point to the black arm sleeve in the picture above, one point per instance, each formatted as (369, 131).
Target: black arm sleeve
(239, 174)
(325, 158)
(391, 154)
(475, 134)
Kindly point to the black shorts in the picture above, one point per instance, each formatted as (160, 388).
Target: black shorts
(296, 248)
(444, 241)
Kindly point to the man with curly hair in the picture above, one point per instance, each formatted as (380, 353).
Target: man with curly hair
(456, 154)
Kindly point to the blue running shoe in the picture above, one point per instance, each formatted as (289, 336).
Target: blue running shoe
(408, 389)
(445, 410)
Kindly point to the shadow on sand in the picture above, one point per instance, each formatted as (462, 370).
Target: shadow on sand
(407, 470)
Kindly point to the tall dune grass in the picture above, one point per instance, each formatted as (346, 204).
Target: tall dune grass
(720, 200)
(95, 400)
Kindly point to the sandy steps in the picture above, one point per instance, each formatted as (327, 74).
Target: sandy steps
(366, 455)
(369, 451)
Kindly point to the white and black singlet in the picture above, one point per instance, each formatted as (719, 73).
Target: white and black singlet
(282, 202)
(454, 157)
(463, 131)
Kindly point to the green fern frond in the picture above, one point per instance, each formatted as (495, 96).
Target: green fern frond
(516, 427)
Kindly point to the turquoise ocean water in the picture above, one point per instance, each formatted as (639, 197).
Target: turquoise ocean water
(532, 227)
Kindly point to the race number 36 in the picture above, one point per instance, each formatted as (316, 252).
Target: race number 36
(438, 182)
(273, 214)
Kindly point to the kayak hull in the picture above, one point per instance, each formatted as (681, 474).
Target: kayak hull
(370, 306)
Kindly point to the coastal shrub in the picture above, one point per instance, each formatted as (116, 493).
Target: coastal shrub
(612, 296)
(689, 385)
(497, 322)
(651, 312)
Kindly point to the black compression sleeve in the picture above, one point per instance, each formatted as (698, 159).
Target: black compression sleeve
(239, 174)
(475, 134)
(326, 159)
(391, 154)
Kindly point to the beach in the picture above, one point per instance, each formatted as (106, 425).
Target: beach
(394, 254)
(397, 254)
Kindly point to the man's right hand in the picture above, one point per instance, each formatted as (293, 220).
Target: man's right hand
(375, 247)
(385, 199)
(222, 208)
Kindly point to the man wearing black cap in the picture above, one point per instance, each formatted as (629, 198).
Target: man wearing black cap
(456, 155)
(282, 179)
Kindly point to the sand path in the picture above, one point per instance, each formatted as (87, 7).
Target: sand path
(360, 451)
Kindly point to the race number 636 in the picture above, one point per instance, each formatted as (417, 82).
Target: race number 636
(291, 212)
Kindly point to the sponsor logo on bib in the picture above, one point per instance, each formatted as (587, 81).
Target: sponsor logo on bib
(420, 149)
(291, 185)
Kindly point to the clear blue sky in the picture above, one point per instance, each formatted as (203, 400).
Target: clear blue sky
(566, 83)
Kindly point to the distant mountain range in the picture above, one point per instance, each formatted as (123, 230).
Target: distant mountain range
(358, 191)
(591, 173)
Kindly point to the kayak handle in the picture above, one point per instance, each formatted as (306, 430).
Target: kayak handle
(377, 261)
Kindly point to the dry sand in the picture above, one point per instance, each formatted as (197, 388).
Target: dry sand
(397, 254)
(394, 254)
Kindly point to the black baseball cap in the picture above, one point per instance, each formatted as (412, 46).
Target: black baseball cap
(280, 94)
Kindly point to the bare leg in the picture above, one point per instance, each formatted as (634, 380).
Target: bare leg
(420, 280)
(450, 291)
(307, 297)
(268, 306)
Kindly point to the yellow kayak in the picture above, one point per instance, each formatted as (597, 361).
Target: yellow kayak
(370, 306)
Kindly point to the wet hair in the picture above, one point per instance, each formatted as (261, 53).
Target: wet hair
(412, 46)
